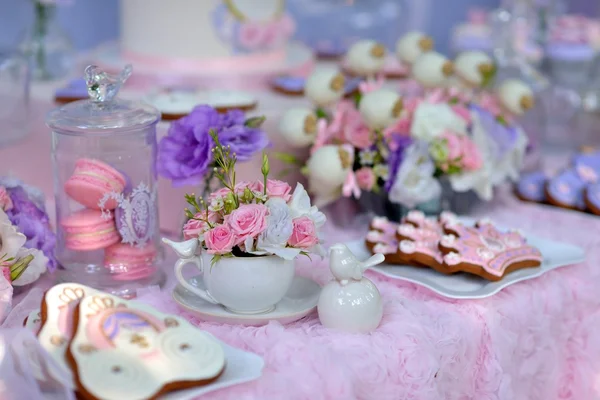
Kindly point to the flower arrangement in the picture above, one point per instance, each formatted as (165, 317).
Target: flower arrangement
(402, 146)
(252, 218)
(26, 238)
(185, 155)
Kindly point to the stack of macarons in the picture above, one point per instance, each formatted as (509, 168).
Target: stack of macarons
(576, 187)
(95, 227)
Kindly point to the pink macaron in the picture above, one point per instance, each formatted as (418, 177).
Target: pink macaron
(91, 181)
(88, 230)
(129, 262)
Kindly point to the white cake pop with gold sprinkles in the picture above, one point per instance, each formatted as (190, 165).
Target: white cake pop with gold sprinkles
(298, 126)
(516, 96)
(412, 45)
(474, 68)
(325, 86)
(366, 57)
(432, 70)
(380, 108)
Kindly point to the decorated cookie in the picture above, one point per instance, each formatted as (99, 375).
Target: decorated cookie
(226, 100)
(366, 58)
(485, 251)
(128, 350)
(412, 45)
(383, 224)
(75, 90)
(419, 219)
(566, 190)
(592, 198)
(33, 321)
(432, 70)
(380, 108)
(587, 165)
(532, 187)
(289, 85)
(58, 306)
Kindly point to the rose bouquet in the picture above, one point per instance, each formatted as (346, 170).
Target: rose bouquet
(185, 155)
(403, 147)
(252, 218)
(26, 237)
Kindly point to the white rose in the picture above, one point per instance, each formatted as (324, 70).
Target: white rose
(431, 120)
(414, 183)
(298, 126)
(279, 229)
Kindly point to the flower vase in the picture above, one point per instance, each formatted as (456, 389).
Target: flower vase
(47, 45)
(460, 203)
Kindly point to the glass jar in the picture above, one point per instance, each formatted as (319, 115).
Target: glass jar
(103, 152)
(14, 97)
(330, 27)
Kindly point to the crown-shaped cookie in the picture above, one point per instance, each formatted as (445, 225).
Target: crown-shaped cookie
(420, 245)
(383, 224)
(486, 251)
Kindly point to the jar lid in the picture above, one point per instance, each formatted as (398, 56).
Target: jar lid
(102, 112)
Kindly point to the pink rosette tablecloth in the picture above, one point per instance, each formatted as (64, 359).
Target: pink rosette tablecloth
(538, 339)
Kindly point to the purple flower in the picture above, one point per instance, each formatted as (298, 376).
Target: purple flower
(184, 155)
(398, 146)
(33, 222)
(244, 141)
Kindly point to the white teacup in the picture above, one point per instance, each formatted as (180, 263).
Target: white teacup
(244, 285)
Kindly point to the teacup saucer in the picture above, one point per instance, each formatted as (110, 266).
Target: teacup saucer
(299, 301)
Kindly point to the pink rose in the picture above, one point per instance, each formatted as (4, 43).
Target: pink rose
(222, 192)
(400, 127)
(454, 145)
(279, 189)
(5, 200)
(358, 134)
(343, 109)
(304, 235)
(249, 220)
(365, 178)
(219, 240)
(251, 36)
(194, 227)
(471, 157)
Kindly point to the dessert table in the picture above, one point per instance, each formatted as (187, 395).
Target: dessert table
(534, 340)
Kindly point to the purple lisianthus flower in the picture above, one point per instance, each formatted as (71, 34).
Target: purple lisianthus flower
(243, 141)
(398, 146)
(185, 156)
(33, 222)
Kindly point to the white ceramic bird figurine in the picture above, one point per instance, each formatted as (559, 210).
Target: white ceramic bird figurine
(185, 249)
(345, 266)
(350, 302)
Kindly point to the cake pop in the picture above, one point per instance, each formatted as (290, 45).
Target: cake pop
(412, 45)
(366, 58)
(380, 108)
(516, 96)
(298, 126)
(474, 68)
(432, 70)
(325, 87)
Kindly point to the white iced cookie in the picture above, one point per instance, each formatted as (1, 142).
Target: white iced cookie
(472, 67)
(412, 45)
(325, 86)
(516, 96)
(380, 108)
(298, 126)
(366, 57)
(432, 70)
(326, 170)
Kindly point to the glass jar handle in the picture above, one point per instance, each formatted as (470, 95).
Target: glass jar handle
(103, 87)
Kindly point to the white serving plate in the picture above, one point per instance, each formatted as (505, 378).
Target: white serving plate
(467, 286)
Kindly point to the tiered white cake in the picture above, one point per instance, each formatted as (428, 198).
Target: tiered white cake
(211, 33)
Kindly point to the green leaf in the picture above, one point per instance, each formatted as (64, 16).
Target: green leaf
(255, 122)
(304, 253)
(287, 158)
(321, 113)
(357, 97)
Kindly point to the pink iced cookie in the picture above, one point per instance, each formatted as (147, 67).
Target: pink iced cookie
(88, 230)
(485, 251)
(383, 224)
(91, 180)
(420, 245)
(129, 262)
